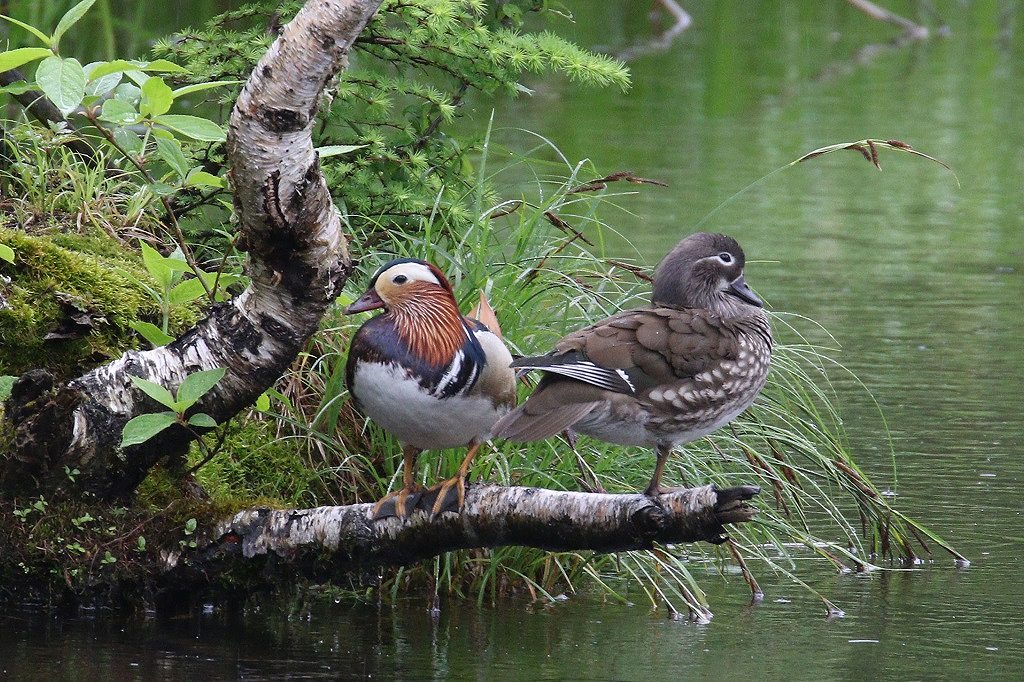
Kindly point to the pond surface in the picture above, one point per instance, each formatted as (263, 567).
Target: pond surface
(921, 282)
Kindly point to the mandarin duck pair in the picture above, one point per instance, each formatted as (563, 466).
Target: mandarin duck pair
(656, 376)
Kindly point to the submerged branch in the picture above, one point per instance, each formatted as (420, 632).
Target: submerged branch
(681, 20)
(330, 542)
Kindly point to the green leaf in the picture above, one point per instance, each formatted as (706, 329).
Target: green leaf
(31, 29)
(151, 333)
(128, 139)
(156, 265)
(226, 279)
(330, 150)
(196, 385)
(16, 88)
(161, 189)
(116, 66)
(118, 112)
(145, 426)
(102, 85)
(198, 87)
(124, 66)
(128, 92)
(12, 59)
(6, 384)
(154, 391)
(176, 261)
(69, 19)
(263, 402)
(156, 97)
(163, 66)
(187, 291)
(197, 128)
(170, 152)
(200, 178)
(203, 420)
(62, 81)
(281, 398)
(6, 253)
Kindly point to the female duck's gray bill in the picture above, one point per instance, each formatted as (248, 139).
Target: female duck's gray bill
(368, 301)
(738, 288)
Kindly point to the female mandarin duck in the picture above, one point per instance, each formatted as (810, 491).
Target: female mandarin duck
(427, 374)
(657, 376)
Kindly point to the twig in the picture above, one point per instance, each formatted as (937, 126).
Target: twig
(879, 13)
(663, 40)
(602, 183)
(436, 122)
(756, 593)
(179, 236)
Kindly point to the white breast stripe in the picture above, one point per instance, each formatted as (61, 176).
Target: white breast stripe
(451, 374)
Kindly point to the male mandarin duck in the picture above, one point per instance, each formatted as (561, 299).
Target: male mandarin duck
(662, 375)
(428, 375)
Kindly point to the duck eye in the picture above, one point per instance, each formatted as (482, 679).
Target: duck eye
(725, 257)
(399, 279)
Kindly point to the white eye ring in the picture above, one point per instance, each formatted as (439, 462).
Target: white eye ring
(399, 279)
(725, 257)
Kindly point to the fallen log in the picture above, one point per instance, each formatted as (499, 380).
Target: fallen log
(330, 543)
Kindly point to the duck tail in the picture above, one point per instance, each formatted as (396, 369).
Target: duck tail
(523, 424)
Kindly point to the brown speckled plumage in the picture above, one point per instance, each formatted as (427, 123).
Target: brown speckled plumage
(661, 375)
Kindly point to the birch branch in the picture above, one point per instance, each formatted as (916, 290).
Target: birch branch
(298, 261)
(331, 542)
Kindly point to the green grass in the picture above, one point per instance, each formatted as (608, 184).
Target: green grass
(539, 257)
(543, 282)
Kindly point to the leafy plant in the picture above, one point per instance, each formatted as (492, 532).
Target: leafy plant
(172, 288)
(195, 386)
(6, 384)
(190, 533)
(121, 97)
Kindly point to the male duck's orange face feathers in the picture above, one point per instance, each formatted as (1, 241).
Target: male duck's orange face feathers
(400, 282)
(419, 301)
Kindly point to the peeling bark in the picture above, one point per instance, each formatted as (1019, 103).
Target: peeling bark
(330, 542)
(298, 261)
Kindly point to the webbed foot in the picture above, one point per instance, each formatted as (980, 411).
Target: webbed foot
(400, 503)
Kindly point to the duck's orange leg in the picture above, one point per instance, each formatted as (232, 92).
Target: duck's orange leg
(401, 503)
(450, 494)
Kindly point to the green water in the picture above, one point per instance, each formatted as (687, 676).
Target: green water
(919, 281)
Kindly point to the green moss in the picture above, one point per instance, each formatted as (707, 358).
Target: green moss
(258, 469)
(58, 271)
